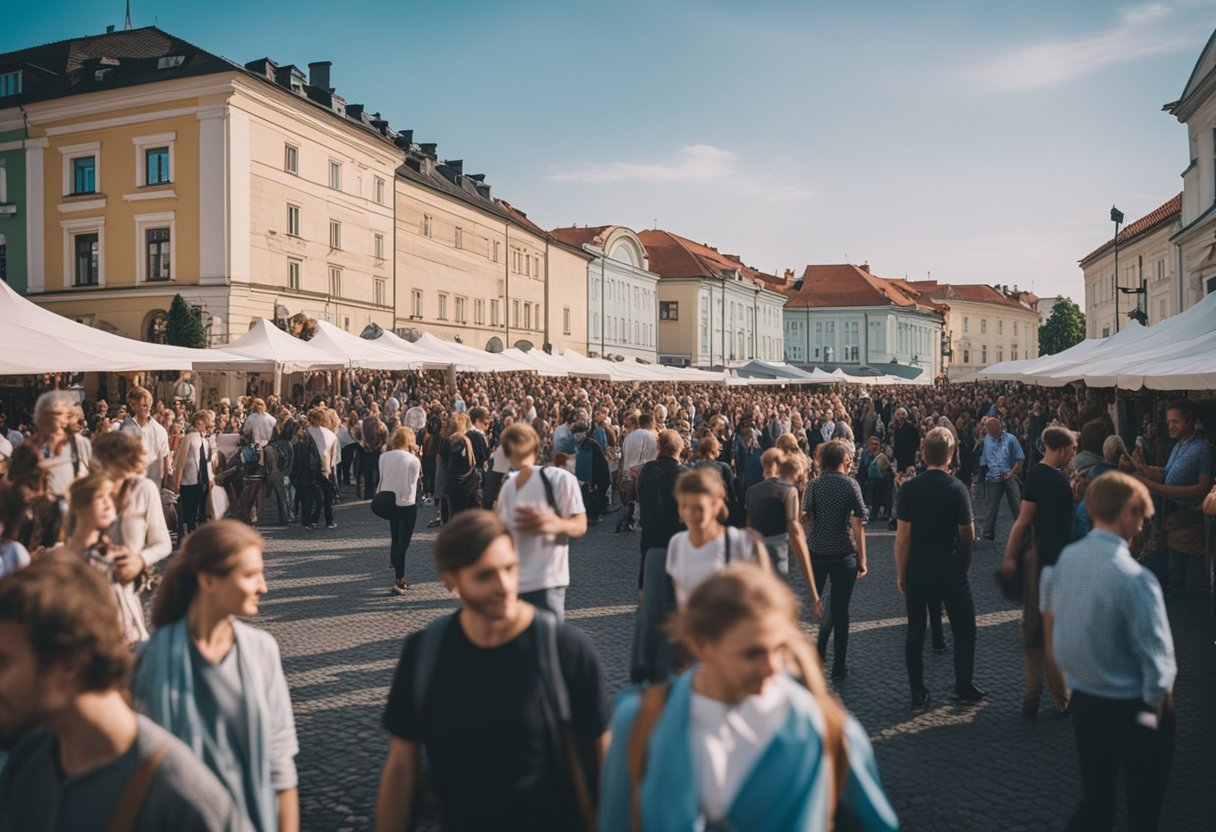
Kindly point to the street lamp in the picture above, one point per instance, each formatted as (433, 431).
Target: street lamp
(1116, 216)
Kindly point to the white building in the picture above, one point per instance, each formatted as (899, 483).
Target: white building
(841, 316)
(622, 292)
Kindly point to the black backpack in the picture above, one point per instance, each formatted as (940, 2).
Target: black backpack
(307, 460)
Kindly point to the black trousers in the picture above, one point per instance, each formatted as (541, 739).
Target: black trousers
(194, 507)
(955, 594)
(843, 576)
(369, 467)
(314, 499)
(401, 528)
(349, 456)
(1109, 739)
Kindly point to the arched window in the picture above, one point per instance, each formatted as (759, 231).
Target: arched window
(155, 325)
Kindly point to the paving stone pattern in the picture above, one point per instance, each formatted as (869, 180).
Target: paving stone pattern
(950, 767)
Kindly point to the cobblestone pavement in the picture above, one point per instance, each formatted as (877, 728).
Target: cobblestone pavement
(950, 767)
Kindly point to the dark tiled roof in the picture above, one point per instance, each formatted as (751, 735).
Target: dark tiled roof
(843, 284)
(125, 59)
(1158, 216)
(671, 255)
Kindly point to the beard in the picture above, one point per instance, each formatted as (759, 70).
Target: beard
(495, 607)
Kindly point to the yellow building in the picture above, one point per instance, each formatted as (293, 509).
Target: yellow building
(984, 324)
(155, 168)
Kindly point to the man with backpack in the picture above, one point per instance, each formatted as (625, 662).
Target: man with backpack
(508, 703)
(543, 508)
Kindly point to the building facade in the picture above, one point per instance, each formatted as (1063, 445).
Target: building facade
(622, 310)
(983, 325)
(714, 310)
(1148, 259)
(13, 237)
(842, 316)
(1196, 254)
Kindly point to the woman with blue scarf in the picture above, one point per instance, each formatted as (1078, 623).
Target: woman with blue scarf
(216, 683)
(737, 742)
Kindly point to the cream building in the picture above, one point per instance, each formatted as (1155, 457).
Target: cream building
(155, 168)
(713, 309)
(1195, 236)
(1147, 258)
(983, 325)
(474, 268)
(622, 308)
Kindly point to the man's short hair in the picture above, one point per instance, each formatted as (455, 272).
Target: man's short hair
(1110, 493)
(464, 539)
(670, 443)
(1187, 408)
(477, 414)
(939, 446)
(1056, 438)
(519, 441)
(68, 613)
(646, 421)
(832, 454)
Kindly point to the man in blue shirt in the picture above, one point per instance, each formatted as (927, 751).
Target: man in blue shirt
(1002, 456)
(1183, 482)
(1105, 627)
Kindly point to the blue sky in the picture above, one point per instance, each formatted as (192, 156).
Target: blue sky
(973, 141)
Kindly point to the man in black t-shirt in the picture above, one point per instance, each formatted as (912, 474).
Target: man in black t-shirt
(495, 746)
(933, 541)
(1047, 508)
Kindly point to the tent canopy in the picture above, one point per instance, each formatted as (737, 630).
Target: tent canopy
(757, 371)
(266, 348)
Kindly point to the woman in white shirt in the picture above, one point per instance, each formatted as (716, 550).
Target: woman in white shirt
(709, 544)
(194, 469)
(141, 530)
(399, 472)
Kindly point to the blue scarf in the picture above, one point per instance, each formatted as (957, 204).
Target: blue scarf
(164, 689)
(786, 790)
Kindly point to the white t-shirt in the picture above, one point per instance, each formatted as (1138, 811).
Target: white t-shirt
(60, 471)
(259, 428)
(544, 563)
(640, 446)
(689, 565)
(327, 442)
(399, 474)
(499, 463)
(727, 740)
(156, 445)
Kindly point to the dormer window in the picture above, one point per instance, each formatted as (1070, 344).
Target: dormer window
(170, 61)
(10, 83)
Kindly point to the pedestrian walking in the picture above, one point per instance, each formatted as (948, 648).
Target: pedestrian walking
(1002, 456)
(934, 535)
(399, 472)
(1106, 628)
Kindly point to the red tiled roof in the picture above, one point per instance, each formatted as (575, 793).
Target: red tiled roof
(674, 256)
(580, 236)
(843, 284)
(521, 217)
(974, 292)
(1165, 213)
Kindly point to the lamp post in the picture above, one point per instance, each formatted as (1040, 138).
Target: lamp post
(1116, 216)
(1139, 315)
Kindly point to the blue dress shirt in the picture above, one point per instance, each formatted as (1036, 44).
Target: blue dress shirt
(1110, 633)
(1001, 454)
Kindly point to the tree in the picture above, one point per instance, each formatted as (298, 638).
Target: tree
(184, 328)
(1063, 329)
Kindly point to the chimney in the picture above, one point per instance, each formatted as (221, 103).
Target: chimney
(865, 267)
(789, 275)
(429, 149)
(110, 29)
(404, 139)
(318, 74)
(456, 166)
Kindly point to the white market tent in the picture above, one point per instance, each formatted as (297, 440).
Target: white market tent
(37, 340)
(266, 348)
(468, 359)
(539, 360)
(361, 353)
(1027, 370)
(885, 380)
(769, 372)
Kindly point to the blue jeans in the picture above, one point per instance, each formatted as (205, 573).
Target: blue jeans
(552, 599)
(778, 547)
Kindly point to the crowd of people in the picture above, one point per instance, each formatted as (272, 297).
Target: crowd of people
(185, 717)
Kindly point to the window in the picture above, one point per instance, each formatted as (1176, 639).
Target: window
(1015, 329)
(1160, 270)
(1000, 329)
(378, 190)
(565, 320)
(966, 324)
(293, 275)
(460, 306)
(157, 246)
(1160, 310)
(87, 259)
(493, 313)
(1013, 353)
(966, 355)
(984, 354)
(335, 281)
(1000, 353)
(84, 175)
(669, 310)
(379, 240)
(515, 313)
(293, 220)
(335, 174)
(527, 316)
(170, 61)
(378, 292)
(426, 225)
(10, 83)
(415, 303)
(983, 326)
(443, 306)
(494, 254)
(335, 234)
(479, 311)
(156, 165)
(291, 159)
(459, 237)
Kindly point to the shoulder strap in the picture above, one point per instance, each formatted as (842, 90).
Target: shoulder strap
(425, 660)
(550, 497)
(726, 534)
(650, 708)
(136, 792)
(550, 666)
(75, 455)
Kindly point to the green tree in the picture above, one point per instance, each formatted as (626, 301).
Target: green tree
(184, 329)
(1063, 329)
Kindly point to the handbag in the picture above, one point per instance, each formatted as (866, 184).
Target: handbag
(383, 504)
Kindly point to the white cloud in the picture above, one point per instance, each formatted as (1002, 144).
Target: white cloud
(1141, 31)
(698, 164)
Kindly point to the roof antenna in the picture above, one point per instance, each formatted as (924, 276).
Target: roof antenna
(126, 24)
